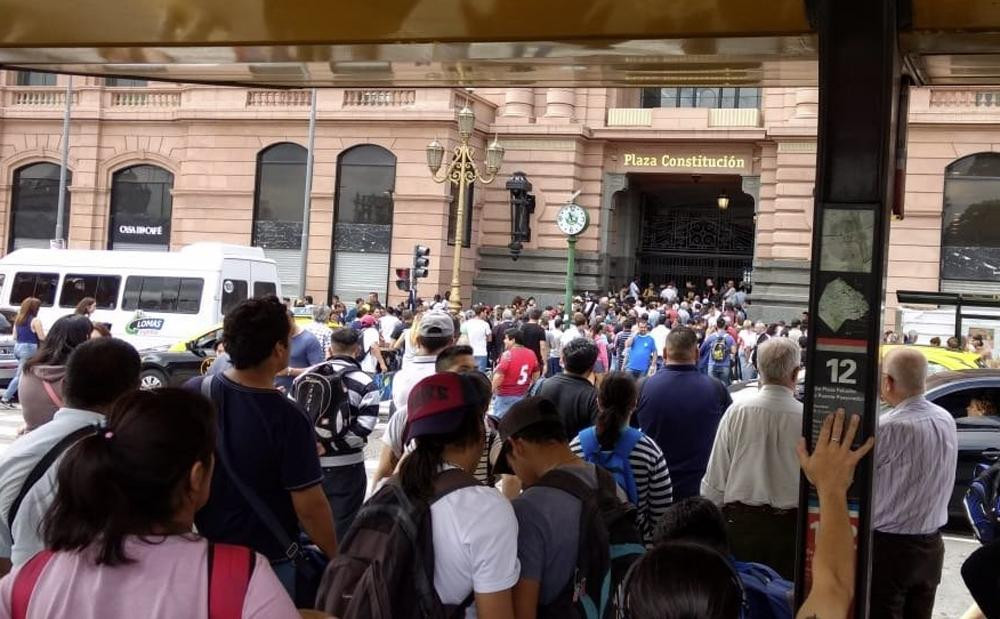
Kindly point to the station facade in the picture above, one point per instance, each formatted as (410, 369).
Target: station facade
(158, 166)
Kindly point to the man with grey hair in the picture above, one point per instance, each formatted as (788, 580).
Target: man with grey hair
(753, 472)
(915, 460)
(319, 327)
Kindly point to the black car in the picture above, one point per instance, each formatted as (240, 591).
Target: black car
(978, 437)
(172, 366)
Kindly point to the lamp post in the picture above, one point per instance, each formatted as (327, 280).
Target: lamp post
(461, 171)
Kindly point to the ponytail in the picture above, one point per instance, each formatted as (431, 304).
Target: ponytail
(616, 401)
(130, 476)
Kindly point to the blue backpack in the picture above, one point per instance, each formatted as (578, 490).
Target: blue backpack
(616, 461)
(766, 594)
(982, 502)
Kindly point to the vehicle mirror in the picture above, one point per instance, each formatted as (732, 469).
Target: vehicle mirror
(192, 346)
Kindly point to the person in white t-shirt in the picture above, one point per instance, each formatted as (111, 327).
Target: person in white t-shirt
(387, 324)
(480, 334)
(576, 330)
(474, 528)
(371, 342)
(659, 334)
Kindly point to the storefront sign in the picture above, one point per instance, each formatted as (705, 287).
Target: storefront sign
(703, 162)
(141, 230)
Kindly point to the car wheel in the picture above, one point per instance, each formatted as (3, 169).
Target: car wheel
(152, 379)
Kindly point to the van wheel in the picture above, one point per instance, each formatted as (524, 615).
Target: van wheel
(152, 379)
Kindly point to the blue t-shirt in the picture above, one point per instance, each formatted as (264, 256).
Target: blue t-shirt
(306, 352)
(641, 353)
(705, 359)
(271, 446)
(680, 408)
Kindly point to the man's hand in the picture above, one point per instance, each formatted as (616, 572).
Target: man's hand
(831, 466)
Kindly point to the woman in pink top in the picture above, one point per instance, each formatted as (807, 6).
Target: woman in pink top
(120, 528)
(601, 340)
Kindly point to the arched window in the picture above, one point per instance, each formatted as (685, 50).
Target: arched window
(33, 206)
(970, 230)
(366, 178)
(141, 208)
(277, 210)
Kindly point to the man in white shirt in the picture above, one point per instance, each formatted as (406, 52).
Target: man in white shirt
(578, 329)
(435, 333)
(669, 294)
(480, 334)
(387, 324)
(747, 340)
(633, 289)
(371, 346)
(659, 335)
(98, 373)
(753, 472)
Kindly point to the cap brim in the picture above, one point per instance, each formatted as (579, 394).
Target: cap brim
(498, 458)
(442, 423)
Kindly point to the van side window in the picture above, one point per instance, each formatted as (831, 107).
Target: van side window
(179, 295)
(40, 285)
(104, 288)
(260, 289)
(234, 291)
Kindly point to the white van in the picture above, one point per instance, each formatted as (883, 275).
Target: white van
(148, 298)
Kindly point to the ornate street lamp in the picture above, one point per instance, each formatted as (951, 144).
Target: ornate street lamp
(522, 205)
(461, 170)
(723, 201)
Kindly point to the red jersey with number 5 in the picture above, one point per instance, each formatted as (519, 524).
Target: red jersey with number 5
(517, 365)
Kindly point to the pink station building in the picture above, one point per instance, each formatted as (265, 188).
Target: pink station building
(159, 165)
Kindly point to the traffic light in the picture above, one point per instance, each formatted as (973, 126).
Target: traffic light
(403, 279)
(421, 261)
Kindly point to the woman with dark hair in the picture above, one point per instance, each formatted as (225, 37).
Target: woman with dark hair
(634, 458)
(474, 529)
(681, 580)
(119, 535)
(41, 383)
(28, 333)
(86, 307)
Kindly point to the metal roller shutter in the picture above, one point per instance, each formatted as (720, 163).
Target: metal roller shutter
(356, 274)
(139, 247)
(289, 263)
(958, 287)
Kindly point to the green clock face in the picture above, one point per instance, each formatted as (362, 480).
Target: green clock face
(572, 219)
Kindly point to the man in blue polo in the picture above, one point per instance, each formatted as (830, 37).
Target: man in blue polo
(641, 350)
(680, 408)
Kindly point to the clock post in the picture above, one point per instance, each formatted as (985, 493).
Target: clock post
(570, 275)
(573, 221)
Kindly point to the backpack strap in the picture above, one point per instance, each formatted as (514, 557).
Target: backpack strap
(569, 483)
(589, 443)
(229, 571)
(24, 583)
(449, 481)
(629, 438)
(51, 392)
(42, 467)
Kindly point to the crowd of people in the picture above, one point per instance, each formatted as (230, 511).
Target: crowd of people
(528, 468)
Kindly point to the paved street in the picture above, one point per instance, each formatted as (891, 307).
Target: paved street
(952, 599)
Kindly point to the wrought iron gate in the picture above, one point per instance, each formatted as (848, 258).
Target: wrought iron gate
(694, 242)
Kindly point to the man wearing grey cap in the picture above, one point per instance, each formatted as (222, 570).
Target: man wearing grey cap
(435, 333)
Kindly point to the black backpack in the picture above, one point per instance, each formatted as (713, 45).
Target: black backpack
(322, 394)
(385, 566)
(609, 543)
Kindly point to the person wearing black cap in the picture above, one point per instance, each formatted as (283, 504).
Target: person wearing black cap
(474, 529)
(533, 445)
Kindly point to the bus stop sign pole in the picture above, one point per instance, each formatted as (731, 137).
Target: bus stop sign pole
(859, 83)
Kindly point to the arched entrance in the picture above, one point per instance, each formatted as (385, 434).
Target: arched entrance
(277, 210)
(33, 206)
(683, 234)
(366, 179)
(970, 226)
(141, 208)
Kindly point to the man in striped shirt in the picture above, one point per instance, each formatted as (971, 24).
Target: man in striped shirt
(342, 458)
(915, 458)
